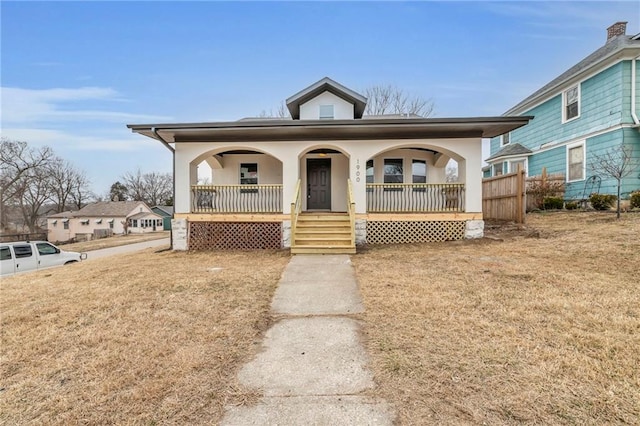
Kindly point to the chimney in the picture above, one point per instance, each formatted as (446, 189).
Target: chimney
(619, 28)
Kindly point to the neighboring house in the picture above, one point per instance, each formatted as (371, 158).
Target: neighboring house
(167, 213)
(103, 218)
(588, 110)
(327, 178)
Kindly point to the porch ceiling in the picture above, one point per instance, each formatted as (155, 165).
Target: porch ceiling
(296, 130)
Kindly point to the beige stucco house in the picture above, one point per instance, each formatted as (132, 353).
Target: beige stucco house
(328, 178)
(101, 219)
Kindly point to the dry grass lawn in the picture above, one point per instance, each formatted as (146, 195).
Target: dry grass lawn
(153, 338)
(115, 241)
(540, 325)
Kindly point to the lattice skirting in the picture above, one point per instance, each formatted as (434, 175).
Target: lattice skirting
(392, 232)
(235, 235)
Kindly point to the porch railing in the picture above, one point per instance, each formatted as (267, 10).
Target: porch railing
(351, 209)
(415, 197)
(296, 208)
(236, 198)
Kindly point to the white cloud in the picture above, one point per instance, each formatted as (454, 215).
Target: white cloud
(62, 140)
(56, 104)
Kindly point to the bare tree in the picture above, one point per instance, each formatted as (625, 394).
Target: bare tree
(281, 112)
(389, 99)
(135, 185)
(33, 194)
(158, 187)
(617, 163)
(153, 188)
(18, 164)
(68, 185)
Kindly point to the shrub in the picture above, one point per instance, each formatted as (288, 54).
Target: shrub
(571, 205)
(635, 200)
(602, 201)
(552, 203)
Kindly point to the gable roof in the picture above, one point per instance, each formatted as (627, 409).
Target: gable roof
(326, 85)
(144, 214)
(63, 215)
(612, 48)
(510, 150)
(166, 209)
(108, 208)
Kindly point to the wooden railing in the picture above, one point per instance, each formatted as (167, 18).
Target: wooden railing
(296, 208)
(351, 209)
(236, 198)
(415, 197)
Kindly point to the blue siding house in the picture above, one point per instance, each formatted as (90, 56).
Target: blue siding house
(589, 109)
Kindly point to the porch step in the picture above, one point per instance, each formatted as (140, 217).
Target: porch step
(323, 233)
(323, 250)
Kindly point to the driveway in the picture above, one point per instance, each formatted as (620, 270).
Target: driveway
(97, 254)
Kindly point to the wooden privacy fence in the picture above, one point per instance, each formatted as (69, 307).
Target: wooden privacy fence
(504, 197)
(543, 186)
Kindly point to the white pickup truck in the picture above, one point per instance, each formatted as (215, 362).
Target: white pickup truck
(33, 255)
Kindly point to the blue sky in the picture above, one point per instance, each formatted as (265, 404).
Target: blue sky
(75, 73)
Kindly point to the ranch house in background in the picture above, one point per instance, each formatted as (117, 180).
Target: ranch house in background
(327, 178)
(103, 218)
(588, 110)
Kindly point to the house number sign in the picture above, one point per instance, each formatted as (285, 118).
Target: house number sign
(358, 170)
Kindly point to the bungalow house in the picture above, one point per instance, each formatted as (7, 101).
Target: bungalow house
(101, 219)
(585, 112)
(167, 213)
(327, 178)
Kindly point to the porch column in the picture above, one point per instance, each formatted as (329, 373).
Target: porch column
(469, 174)
(358, 176)
(186, 174)
(290, 176)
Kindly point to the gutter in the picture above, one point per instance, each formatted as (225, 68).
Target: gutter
(154, 130)
(173, 160)
(634, 99)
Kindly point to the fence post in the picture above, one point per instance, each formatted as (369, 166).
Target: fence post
(521, 193)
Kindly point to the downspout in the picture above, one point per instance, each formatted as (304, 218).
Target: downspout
(173, 158)
(634, 115)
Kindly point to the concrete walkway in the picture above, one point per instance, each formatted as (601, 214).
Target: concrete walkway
(313, 367)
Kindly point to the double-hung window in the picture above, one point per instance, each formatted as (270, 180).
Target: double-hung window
(575, 163)
(506, 139)
(571, 103)
(249, 176)
(419, 173)
(393, 172)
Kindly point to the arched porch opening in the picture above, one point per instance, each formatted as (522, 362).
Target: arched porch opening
(415, 178)
(324, 172)
(236, 180)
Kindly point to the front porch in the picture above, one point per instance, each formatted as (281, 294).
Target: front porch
(238, 217)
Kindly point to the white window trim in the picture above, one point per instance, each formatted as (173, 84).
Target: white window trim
(584, 160)
(564, 106)
(502, 143)
(514, 160)
(333, 112)
(404, 170)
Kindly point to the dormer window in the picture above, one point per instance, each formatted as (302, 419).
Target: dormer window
(326, 112)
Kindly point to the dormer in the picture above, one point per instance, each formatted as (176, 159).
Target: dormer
(326, 100)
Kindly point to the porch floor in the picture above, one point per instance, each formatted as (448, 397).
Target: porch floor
(323, 233)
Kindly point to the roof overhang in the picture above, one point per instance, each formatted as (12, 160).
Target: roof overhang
(301, 130)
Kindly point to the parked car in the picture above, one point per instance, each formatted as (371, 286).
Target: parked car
(33, 255)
